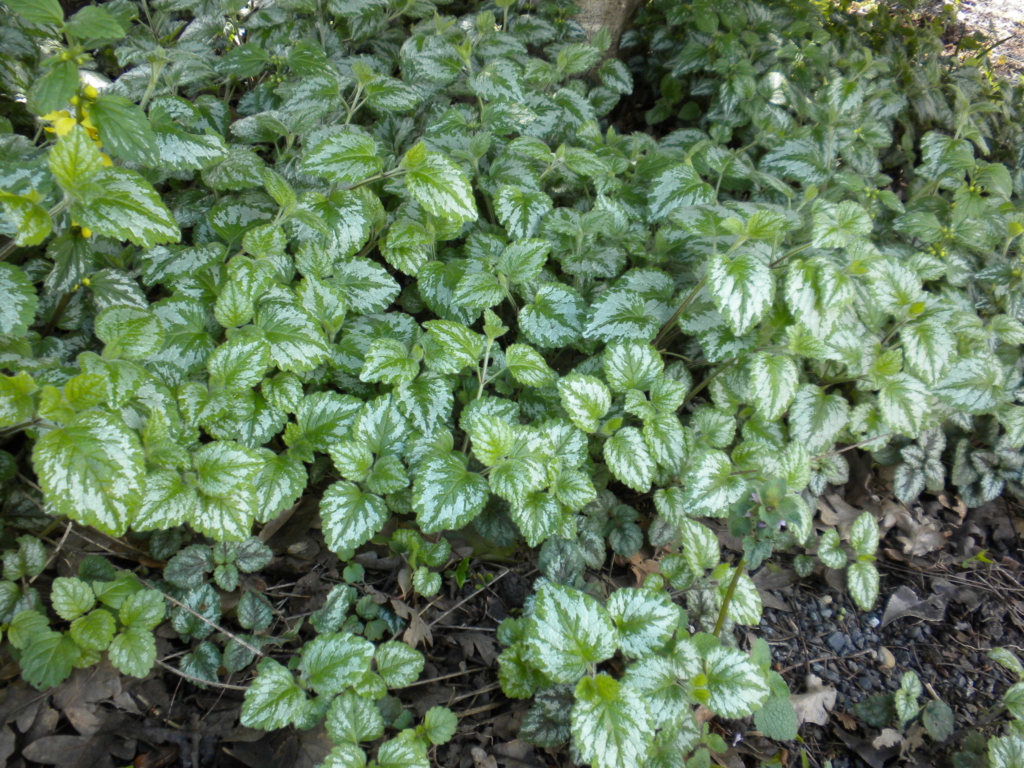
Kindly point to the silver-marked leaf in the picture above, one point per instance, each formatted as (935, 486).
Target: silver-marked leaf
(451, 346)
(836, 226)
(569, 631)
(241, 362)
(353, 718)
(388, 94)
(645, 619)
(773, 382)
(350, 516)
(928, 347)
(447, 496)
(629, 460)
(700, 545)
(344, 158)
(741, 287)
(427, 402)
(389, 361)
(611, 724)
(366, 285)
(816, 419)
(585, 399)
(18, 308)
(735, 686)
(903, 403)
(498, 80)
(296, 343)
(974, 384)
(536, 513)
(523, 260)
(864, 535)
(125, 207)
(710, 485)
(554, 318)
(829, 550)
(92, 470)
(273, 698)
(336, 661)
(438, 185)
(862, 582)
(398, 664)
(676, 186)
(407, 246)
(521, 210)
(631, 366)
(528, 366)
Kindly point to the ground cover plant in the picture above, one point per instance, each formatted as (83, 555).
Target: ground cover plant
(419, 266)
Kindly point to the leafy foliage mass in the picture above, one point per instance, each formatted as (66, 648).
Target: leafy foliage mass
(402, 263)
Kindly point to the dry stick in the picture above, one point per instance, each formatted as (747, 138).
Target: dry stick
(488, 689)
(202, 618)
(446, 677)
(56, 551)
(465, 599)
(200, 680)
(826, 658)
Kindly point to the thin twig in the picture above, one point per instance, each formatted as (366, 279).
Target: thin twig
(488, 689)
(825, 658)
(447, 677)
(465, 599)
(201, 681)
(202, 618)
(56, 551)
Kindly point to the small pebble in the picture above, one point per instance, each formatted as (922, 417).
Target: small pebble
(836, 641)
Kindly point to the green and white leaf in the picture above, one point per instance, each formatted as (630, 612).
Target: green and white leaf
(741, 287)
(331, 663)
(629, 459)
(350, 516)
(773, 383)
(610, 723)
(585, 399)
(645, 619)
(446, 495)
(862, 582)
(273, 698)
(92, 470)
(438, 185)
(569, 631)
(398, 664)
(734, 685)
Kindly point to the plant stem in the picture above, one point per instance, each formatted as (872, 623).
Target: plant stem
(724, 610)
(12, 245)
(377, 177)
(671, 322)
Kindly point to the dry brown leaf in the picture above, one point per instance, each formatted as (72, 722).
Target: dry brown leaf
(835, 511)
(814, 706)
(920, 533)
(768, 579)
(876, 758)
(71, 751)
(418, 630)
(481, 759)
(479, 644)
(847, 721)
(914, 739)
(905, 602)
(889, 737)
(642, 567)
